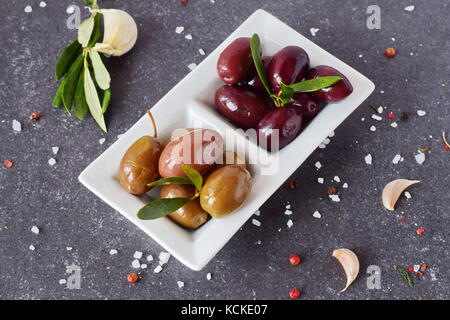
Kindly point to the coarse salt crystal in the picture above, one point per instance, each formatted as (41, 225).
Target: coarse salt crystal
(334, 197)
(164, 257)
(70, 9)
(201, 51)
(326, 141)
(416, 267)
(317, 215)
(102, 140)
(192, 66)
(420, 157)
(32, 248)
(188, 36)
(368, 159)
(28, 9)
(179, 29)
(318, 165)
(394, 125)
(373, 128)
(137, 255)
(331, 134)
(256, 222)
(380, 110)
(143, 266)
(16, 125)
(288, 206)
(421, 113)
(55, 150)
(410, 8)
(180, 284)
(149, 257)
(376, 117)
(136, 264)
(112, 251)
(208, 276)
(337, 179)
(51, 161)
(62, 281)
(314, 31)
(407, 195)
(42, 4)
(363, 119)
(322, 146)
(345, 185)
(157, 269)
(257, 213)
(35, 230)
(69, 248)
(288, 212)
(320, 180)
(289, 223)
(396, 159)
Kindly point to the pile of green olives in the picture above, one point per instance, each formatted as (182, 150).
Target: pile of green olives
(226, 184)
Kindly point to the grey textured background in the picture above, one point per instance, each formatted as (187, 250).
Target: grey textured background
(33, 193)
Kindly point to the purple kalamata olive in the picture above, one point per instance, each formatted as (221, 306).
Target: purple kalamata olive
(287, 120)
(235, 63)
(255, 82)
(289, 65)
(241, 106)
(337, 91)
(307, 103)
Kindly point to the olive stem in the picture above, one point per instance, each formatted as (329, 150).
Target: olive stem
(153, 122)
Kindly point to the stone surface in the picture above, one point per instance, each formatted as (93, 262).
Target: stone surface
(254, 264)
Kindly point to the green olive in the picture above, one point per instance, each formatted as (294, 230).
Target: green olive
(191, 215)
(139, 165)
(225, 190)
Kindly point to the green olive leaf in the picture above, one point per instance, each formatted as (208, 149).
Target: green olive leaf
(255, 46)
(313, 84)
(93, 100)
(71, 83)
(85, 30)
(106, 99)
(66, 59)
(160, 208)
(97, 31)
(58, 100)
(80, 105)
(171, 180)
(101, 74)
(194, 176)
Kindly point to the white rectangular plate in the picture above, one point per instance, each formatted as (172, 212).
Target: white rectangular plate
(191, 101)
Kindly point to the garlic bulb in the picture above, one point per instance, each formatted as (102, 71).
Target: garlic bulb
(120, 32)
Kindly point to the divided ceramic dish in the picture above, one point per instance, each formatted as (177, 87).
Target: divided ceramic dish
(191, 104)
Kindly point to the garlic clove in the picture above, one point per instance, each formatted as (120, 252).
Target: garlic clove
(120, 32)
(349, 262)
(393, 190)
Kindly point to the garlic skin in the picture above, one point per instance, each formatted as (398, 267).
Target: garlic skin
(120, 32)
(393, 190)
(349, 262)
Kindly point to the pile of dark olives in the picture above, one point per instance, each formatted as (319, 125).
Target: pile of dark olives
(245, 102)
(226, 183)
